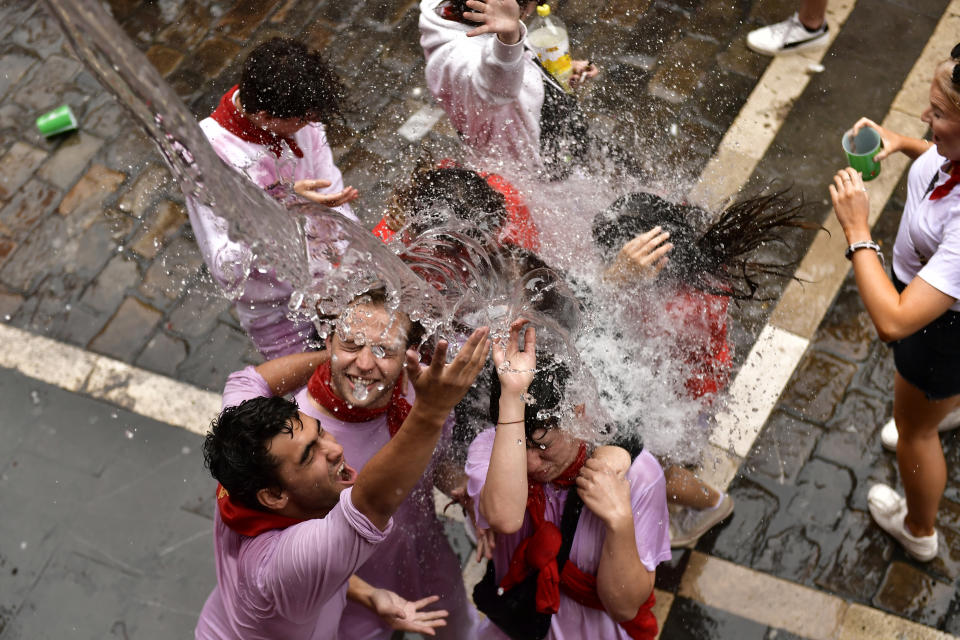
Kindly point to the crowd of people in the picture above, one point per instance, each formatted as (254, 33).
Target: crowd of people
(326, 523)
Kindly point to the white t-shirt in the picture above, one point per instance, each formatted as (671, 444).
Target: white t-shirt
(928, 241)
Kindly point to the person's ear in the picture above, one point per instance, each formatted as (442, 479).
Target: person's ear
(273, 498)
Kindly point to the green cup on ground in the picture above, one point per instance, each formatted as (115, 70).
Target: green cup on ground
(860, 150)
(60, 120)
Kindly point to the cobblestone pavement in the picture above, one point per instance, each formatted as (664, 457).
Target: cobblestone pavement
(95, 249)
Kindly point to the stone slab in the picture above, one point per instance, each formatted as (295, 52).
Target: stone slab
(70, 159)
(16, 167)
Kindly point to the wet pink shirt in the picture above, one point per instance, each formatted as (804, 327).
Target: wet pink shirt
(416, 560)
(648, 493)
(289, 583)
(262, 307)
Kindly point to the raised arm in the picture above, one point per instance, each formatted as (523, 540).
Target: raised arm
(503, 499)
(392, 472)
(499, 71)
(287, 374)
(895, 315)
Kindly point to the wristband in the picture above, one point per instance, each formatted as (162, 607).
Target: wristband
(865, 244)
(511, 422)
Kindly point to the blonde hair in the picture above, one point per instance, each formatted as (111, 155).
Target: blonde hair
(943, 76)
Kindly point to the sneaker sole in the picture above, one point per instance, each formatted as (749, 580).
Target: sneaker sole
(816, 43)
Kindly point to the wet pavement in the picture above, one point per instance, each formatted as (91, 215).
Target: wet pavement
(110, 526)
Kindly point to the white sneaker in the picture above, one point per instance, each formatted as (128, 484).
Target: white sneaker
(689, 524)
(889, 434)
(788, 36)
(889, 509)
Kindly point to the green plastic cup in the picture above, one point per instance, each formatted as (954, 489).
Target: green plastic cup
(60, 120)
(860, 150)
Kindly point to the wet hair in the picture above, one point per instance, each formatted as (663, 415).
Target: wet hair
(434, 196)
(236, 449)
(716, 259)
(547, 389)
(947, 76)
(286, 80)
(459, 6)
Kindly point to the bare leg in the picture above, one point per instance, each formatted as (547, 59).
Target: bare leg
(688, 490)
(919, 454)
(812, 13)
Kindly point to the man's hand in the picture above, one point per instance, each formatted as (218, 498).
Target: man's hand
(501, 17)
(441, 386)
(309, 189)
(581, 71)
(606, 493)
(404, 615)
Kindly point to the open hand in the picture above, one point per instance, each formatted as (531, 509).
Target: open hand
(441, 386)
(501, 17)
(642, 258)
(404, 615)
(309, 189)
(515, 368)
(891, 142)
(851, 204)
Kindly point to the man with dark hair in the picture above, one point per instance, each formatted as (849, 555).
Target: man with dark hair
(360, 396)
(269, 129)
(293, 520)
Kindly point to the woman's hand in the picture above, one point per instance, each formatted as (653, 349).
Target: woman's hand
(582, 70)
(892, 141)
(642, 258)
(486, 543)
(515, 368)
(405, 615)
(501, 17)
(309, 189)
(605, 492)
(851, 204)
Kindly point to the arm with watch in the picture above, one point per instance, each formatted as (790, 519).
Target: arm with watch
(895, 315)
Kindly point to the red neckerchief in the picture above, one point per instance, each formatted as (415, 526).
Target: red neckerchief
(945, 188)
(229, 117)
(582, 588)
(320, 390)
(539, 551)
(247, 521)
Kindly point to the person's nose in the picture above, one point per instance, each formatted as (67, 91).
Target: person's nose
(334, 450)
(925, 115)
(365, 359)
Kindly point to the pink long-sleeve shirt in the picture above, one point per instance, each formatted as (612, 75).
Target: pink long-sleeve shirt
(287, 583)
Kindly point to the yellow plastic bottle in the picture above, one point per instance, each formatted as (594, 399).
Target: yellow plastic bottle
(547, 36)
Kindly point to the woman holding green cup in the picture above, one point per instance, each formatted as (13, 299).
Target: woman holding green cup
(918, 313)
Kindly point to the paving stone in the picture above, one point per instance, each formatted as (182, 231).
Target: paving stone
(822, 491)
(9, 303)
(39, 34)
(70, 159)
(862, 413)
(212, 56)
(110, 287)
(102, 239)
(162, 354)
(691, 620)
(623, 13)
(720, 96)
(947, 563)
(770, 11)
(127, 330)
(190, 26)
(847, 447)
(878, 371)
(755, 508)
(719, 20)
(244, 17)
(88, 194)
(15, 63)
(319, 36)
(738, 58)
(16, 167)
(847, 330)
(163, 58)
(217, 357)
(860, 563)
(196, 315)
(789, 555)
(107, 118)
(390, 11)
(908, 592)
(782, 448)
(80, 325)
(41, 91)
(147, 187)
(168, 219)
(681, 69)
(7, 246)
(817, 386)
(169, 275)
(29, 204)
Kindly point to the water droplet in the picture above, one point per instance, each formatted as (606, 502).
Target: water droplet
(129, 434)
(360, 391)
(35, 397)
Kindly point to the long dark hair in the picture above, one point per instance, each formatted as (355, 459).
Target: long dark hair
(716, 259)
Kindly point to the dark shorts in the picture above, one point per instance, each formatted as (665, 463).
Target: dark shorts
(930, 358)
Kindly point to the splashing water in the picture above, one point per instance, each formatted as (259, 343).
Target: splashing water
(360, 391)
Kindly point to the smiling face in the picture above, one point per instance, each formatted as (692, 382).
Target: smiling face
(367, 352)
(549, 453)
(311, 471)
(943, 117)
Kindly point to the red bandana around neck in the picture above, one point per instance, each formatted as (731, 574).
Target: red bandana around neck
(320, 390)
(247, 521)
(539, 551)
(229, 117)
(947, 186)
